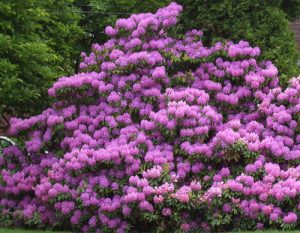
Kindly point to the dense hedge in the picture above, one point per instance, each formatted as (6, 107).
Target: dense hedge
(159, 134)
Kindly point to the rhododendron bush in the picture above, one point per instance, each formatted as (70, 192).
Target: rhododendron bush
(159, 134)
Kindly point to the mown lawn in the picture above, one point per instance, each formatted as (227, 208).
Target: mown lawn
(7, 230)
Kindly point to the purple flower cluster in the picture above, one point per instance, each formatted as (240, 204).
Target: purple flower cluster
(133, 138)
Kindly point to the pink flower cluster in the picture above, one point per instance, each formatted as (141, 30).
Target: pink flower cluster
(159, 132)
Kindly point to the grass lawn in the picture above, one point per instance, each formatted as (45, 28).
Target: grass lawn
(7, 230)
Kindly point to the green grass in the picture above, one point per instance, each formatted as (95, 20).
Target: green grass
(7, 230)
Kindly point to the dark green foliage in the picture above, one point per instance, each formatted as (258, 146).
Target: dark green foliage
(37, 44)
(291, 8)
(262, 23)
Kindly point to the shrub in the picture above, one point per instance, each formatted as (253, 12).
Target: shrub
(159, 134)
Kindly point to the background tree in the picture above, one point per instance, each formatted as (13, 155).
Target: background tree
(38, 40)
(291, 8)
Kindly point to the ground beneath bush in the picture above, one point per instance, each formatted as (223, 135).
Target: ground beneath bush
(7, 230)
